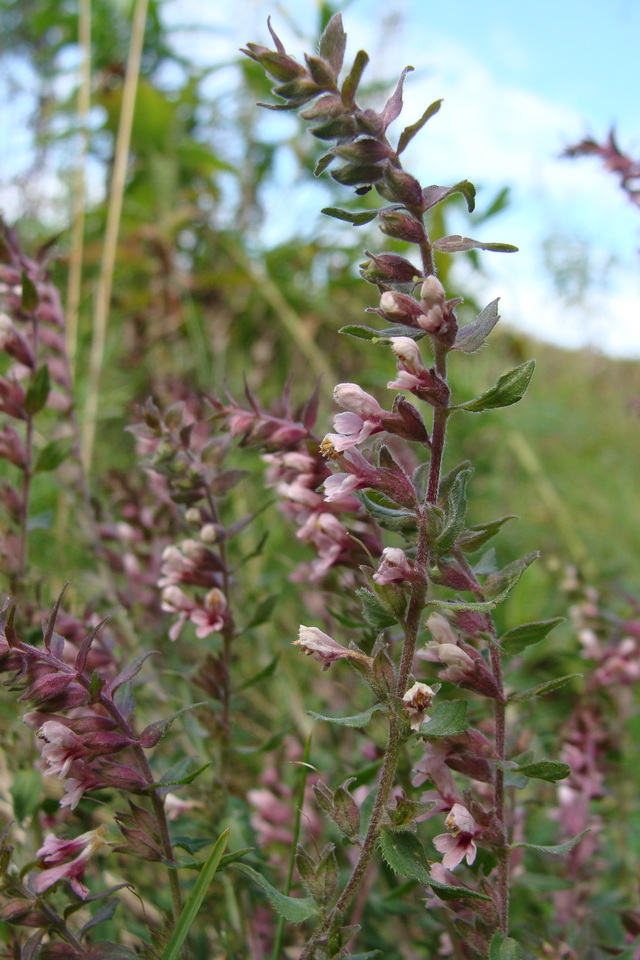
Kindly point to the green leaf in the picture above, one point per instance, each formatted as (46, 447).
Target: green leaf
(448, 891)
(26, 793)
(557, 849)
(154, 732)
(381, 336)
(543, 688)
(497, 583)
(358, 720)
(456, 511)
(505, 948)
(458, 244)
(350, 85)
(30, 299)
(475, 537)
(333, 43)
(485, 606)
(409, 132)
(449, 719)
(373, 611)
(550, 770)
(519, 638)
(404, 853)
(38, 391)
(388, 517)
(357, 219)
(178, 774)
(52, 455)
(293, 909)
(262, 675)
(508, 389)
(173, 949)
(263, 611)
(322, 164)
(471, 337)
(434, 194)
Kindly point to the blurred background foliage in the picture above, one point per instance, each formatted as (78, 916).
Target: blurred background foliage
(207, 291)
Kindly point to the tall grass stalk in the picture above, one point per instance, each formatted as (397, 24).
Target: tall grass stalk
(116, 193)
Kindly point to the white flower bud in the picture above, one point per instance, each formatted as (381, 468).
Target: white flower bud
(352, 397)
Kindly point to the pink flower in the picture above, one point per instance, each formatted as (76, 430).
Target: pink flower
(394, 567)
(362, 418)
(62, 746)
(459, 844)
(326, 650)
(54, 851)
(210, 617)
(341, 485)
(417, 701)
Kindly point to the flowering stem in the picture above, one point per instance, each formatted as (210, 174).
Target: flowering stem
(387, 779)
(304, 772)
(499, 795)
(156, 801)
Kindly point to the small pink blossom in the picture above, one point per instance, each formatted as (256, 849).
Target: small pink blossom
(362, 417)
(55, 852)
(326, 650)
(341, 485)
(416, 702)
(394, 567)
(459, 843)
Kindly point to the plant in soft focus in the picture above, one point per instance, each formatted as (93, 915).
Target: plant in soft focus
(170, 715)
(429, 576)
(614, 160)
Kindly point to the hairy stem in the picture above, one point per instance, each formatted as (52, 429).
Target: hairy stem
(387, 779)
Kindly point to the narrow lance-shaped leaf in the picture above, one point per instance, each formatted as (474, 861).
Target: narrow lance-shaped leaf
(476, 536)
(293, 909)
(373, 611)
(519, 638)
(550, 770)
(357, 219)
(322, 164)
(393, 107)
(191, 908)
(333, 43)
(350, 85)
(507, 390)
(358, 720)
(456, 511)
(409, 132)
(557, 849)
(38, 391)
(130, 671)
(52, 455)
(543, 688)
(449, 719)
(30, 299)
(405, 855)
(505, 948)
(457, 244)
(497, 582)
(434, 194)
(485, 606)
(471, 337)
(381, 336)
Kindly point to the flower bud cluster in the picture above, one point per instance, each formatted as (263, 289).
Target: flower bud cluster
(296, 469)
(35, 377)
(77, 730)
(463, 665)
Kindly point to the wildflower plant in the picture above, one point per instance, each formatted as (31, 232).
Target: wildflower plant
(430, 575)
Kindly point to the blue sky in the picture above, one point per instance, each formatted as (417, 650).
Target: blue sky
(520, 81)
